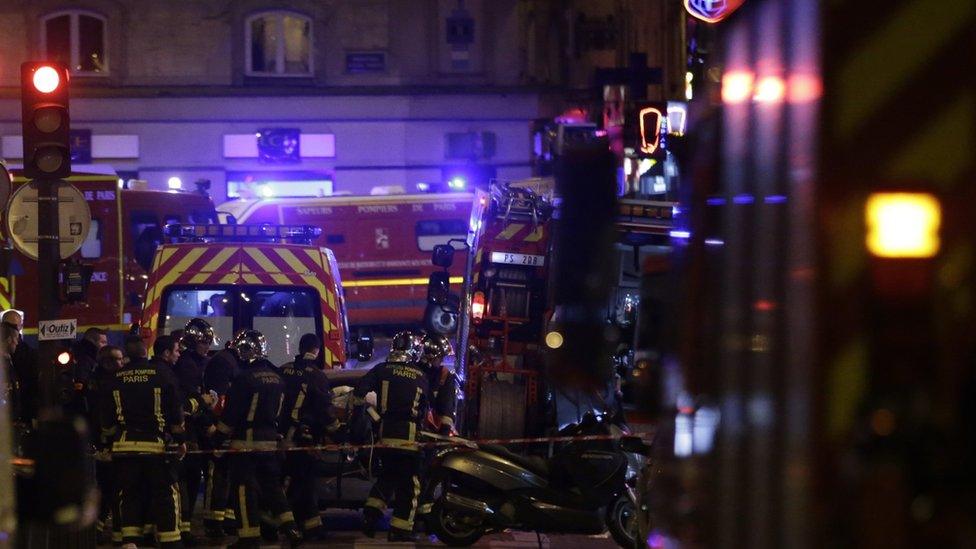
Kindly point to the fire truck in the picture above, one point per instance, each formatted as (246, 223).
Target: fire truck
(264, 277)
(126, 227)
(383, 244)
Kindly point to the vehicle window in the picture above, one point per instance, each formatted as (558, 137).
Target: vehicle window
(146, 237)
(179, 305)
(91, 248)
(201, 218)
(438, 231)
(283, 315)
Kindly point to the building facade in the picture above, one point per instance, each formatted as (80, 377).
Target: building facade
(312, 97)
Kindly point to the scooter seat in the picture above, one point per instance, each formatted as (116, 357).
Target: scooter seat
(535, 464)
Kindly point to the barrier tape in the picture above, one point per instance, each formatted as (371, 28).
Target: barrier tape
(438, 441)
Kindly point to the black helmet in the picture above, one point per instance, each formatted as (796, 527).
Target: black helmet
(436, 347)
(197, 330)
(406, 347)
(250, 345)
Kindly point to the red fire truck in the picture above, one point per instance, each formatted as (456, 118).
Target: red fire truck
(383, 244)
(127, 226)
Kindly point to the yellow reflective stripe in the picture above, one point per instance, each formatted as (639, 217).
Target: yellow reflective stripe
(262, 260)
(230, 514)
(118, 406)
(415, 408)
(329, 357)
(218, 260)
(227, 279)
(138, 446)
(401, 524)
(299, 400)
(189, 259)
(245, 531)
(535, 235)
(131, 531)
(158, 408)
(251, 279)
(313, 522)
(297, 266)
(395, 282)
(413, 501)
(384, 394)
(253, 409)
(375, 503)
(447, 420)
(286, 517)
(509, 231)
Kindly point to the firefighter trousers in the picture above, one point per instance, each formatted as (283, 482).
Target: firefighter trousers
(255, 479)
(400, 478)
(215, 493)
(300, 488)
(152, 476)
(191, 474)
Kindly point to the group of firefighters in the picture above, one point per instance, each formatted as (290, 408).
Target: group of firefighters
(236, 427)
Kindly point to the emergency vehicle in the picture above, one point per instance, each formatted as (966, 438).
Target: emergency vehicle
(382, 243)
(126, 227)
(263, 277)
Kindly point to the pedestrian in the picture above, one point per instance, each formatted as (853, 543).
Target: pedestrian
(250, 423)
(402, 390)
(306, 421)
(24, 368)
(196, 340)
(110, 360)
(141, 414)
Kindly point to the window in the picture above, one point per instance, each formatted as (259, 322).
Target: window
(214, 306)
(91, 248)
(278, 44)
(146, 237)
(438, 231)
(288, 313)
(78, 39)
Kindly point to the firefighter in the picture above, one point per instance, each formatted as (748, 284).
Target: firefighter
(306, 420)
(218, 518)
(141, 414)
(110, 361)
(250, 422)
(75, 380)
(196, 339)
(402, 390)
(444, 384)
(23, 365)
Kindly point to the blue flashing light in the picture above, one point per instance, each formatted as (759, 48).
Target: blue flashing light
(714, 242)
(457, 183)
(715, 201)
(423, 187)
(680, 234)
(743, 199)
(775, 199)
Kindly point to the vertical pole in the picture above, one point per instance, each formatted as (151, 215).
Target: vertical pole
(49, 306)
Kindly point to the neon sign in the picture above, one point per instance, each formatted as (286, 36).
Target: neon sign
(711, 11)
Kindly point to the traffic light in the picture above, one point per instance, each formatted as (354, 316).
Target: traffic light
(44, 100)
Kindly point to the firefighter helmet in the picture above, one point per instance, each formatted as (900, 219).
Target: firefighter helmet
(406, 347)
(250, 345)
(436, 347)
(197, 330)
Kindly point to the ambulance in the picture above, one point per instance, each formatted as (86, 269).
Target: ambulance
(126, 226)
(268, 278)
(383, 244)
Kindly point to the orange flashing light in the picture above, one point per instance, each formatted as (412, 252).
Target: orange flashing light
(655, 115)
(770, 89)
(903, 224)
(478, 306)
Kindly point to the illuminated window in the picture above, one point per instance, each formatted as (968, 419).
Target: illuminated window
(279, 44)
(78, 39)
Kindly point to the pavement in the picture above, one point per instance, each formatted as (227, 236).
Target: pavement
(344, 533)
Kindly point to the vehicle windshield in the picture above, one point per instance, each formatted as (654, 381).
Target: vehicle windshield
(282, 314)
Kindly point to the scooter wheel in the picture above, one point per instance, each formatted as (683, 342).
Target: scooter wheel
(622, 522)
(454, 528)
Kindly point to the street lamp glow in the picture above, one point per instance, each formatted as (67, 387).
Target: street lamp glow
(770, 89)
(174, 183)
(903, 225)
(266, 191)
(46, 79)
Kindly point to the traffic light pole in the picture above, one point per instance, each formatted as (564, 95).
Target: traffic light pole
(49, 306)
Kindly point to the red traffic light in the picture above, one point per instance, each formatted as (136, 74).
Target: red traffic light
(46, 79)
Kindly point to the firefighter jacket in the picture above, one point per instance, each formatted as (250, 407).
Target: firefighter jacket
(254, 401)
(220, 370)
(444, 386)
(140, 408)
(307, 412)
(402, 396)
(98, 390)
(74, 382)
(189, 371)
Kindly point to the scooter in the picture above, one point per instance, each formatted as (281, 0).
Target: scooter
(482, 488)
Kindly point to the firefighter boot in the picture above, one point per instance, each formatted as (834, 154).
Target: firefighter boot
(291, 532)
(371, 518)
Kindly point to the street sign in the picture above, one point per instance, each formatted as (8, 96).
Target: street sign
(73, 214)
(49, 330)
